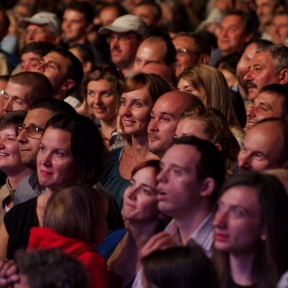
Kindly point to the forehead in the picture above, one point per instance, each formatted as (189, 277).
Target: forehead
(38, 117)
(34, 26)
(171, 104)
(281, 19)
(265, 2)
(269, 98)
(232, 20)
(152, 47)
(185, 42)
(262, 58)
(250, 49)
(74, 14)
(186, 156)
(13, 88)
(31, 55)
(56, 58)
(124, 34)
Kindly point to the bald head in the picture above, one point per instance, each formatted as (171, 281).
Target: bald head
(163, 71)
(165, 116)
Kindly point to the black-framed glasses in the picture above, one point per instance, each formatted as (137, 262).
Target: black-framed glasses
(110, 69)
(185, 51)
(31, 131)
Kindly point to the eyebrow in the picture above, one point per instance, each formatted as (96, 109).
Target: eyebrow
(265, 104)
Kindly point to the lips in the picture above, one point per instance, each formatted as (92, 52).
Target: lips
(153, 137)
(220, 237)
(99, 109)
(128, 122)
(45, 173)
(161, 195)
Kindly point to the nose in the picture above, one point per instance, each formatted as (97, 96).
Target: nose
(45, 158)
(22, 137)
(8, 105)
(248, 75)
(41, 67)
(2, 145)
(162, 176)
(220, 219)
(152, 126)
(131, 192)
(244, 160)
(125, 110)
(251, 112)
(98, 100)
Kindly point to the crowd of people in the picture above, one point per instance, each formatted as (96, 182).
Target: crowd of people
(144, 143)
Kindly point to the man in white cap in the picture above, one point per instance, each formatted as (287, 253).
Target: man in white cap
(125, 35)
(43, 26)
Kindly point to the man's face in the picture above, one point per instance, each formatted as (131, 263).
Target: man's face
(73, 25)
(279, 29)
(123, 48)
(178, 190)
(184, 60)
(28, 146)
(36, 33)
(29, 62)
(265, 106)
(149, 53)
(108, 15)
(260, 73)
(265, 10)
(16, 97)
(165, 117)
(146, 13)
(243, 64)
(261, 148)
(232, 36)
(55, 67)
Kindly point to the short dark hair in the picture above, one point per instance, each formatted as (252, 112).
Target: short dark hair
(246, 18)
(278, 90)
(87, 145)
(39, 85)
(121, 11)
(46, 268)
(170, 56)
(179, 267)
(4, 78)
(157, 12)
(6, 21)
(83, 7)
(155, 85)
(279, 55)
(54, 105)
(39, 48)
(12, 119)
(283, 153)
(82, 206)
(74, 69)
(211, 163)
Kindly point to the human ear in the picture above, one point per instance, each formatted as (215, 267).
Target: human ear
(218, 146)
(68, 84)
(208, 187)
(283, 76)
(204, 59)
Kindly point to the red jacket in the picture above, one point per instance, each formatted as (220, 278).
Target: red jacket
(47, 238)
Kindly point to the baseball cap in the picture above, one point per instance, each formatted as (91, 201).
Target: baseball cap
(127, 23)
(42, 18)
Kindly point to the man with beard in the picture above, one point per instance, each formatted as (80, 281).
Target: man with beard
(125, 35)
(268, 66)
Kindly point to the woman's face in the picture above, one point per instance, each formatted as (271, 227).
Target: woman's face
(10, 159)
(101, 99)
(237, 222)
(191, 127)
(134, 112)
(55, 163)
(185, 86)
(140, 203)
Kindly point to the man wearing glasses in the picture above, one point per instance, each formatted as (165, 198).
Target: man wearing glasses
(29, 135)
(191, 48)
(125, 35)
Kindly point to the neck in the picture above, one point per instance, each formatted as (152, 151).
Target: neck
(107, 127)
(243, 92)
(126, 69)
(140, 233)
(241, 268)
(81, 40)
(60, 95)
(140, 147)
(188, 222)
(16, 177)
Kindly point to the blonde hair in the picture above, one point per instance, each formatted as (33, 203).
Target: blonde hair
(212, 85)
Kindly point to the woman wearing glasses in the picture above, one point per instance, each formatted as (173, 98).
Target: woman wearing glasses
(139, 94)
(102, 90)
(62, 159)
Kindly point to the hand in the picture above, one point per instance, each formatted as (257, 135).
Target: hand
(8, 273)
(159, 241)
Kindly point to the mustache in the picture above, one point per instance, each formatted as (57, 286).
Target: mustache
(115, 48)
(251, 84)
(152, 134)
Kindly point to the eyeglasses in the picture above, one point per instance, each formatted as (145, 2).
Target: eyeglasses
(33, 132)
(120, 39)
(109, 69)
(185, 51)
(37, 31)
(6, 97)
